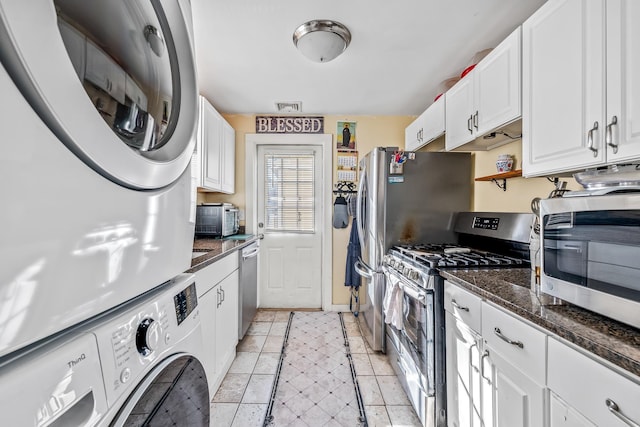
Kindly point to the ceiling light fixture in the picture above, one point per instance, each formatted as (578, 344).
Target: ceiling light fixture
(321, 40)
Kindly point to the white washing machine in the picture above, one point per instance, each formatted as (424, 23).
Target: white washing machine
(138, 365)
(97, 122)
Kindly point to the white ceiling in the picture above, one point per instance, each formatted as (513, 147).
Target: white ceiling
(400, 52)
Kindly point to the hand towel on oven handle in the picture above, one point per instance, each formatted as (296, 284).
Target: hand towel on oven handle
(392, 303)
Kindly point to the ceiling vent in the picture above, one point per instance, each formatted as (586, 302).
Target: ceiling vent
(289, 107)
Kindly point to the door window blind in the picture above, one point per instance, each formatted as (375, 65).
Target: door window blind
(289, 195)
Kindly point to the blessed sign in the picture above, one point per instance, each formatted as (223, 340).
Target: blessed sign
(288, 124)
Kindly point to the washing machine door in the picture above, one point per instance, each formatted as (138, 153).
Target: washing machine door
(174, 393)
(113, 79)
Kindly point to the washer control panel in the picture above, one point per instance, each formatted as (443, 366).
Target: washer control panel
(134, 340)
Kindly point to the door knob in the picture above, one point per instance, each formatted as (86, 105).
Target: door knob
(260, 225)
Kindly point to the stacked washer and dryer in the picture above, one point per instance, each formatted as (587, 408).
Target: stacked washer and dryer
(97, 121)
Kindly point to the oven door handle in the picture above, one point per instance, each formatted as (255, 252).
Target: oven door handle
(407, 287)
(412, 293)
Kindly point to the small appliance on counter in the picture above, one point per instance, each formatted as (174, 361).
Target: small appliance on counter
(217, 220)
(590, 246)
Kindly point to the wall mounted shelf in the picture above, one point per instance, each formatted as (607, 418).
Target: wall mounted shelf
(501, 176)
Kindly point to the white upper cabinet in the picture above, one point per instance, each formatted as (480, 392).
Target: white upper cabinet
(427, 127)
(228, 158)
(213, 164)
(581, 85)
(622, 130)
(486, 99)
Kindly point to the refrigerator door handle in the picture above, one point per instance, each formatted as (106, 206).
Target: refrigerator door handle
(362, 270)
(360, 221)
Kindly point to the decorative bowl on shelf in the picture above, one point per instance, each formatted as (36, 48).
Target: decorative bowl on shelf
(504, 163)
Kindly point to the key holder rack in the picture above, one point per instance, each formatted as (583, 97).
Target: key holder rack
(345, 187)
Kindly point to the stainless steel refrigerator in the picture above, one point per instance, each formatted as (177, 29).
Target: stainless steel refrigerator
(410, 202)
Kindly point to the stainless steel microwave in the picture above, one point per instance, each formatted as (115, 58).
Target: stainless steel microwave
(590, 253)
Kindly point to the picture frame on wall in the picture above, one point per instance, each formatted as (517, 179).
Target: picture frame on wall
(346, 136)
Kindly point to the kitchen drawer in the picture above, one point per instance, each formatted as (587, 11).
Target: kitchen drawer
(527, 349)
(214, 273)
(463, 304)
(585, 385)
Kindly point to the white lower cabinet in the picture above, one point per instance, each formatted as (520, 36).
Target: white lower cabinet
(217, 287)
(226, 322)
(464, 383)
(494, 378)
(504, 372)
(563, 415)
(518, 401)
(467, 405)
(513, 358)
(585, 392)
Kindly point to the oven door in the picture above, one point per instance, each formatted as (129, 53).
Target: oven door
(417, 330)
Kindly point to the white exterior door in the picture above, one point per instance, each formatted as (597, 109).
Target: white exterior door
(289, 214)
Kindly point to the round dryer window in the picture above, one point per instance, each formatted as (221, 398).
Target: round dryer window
(113, 79)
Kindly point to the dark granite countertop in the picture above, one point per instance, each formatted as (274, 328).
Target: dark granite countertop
(214, 249)
(510, 289)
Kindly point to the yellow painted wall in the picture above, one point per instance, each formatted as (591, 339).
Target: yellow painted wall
(374, 131)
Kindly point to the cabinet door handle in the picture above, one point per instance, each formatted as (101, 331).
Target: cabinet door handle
(608, 135)
(218, 302)
(458, 306)
(475, 120)
(510, 341)
(223, 298)
(471, 347)
(590, 139)
(615, 410)
(484, 356)
(469, 124)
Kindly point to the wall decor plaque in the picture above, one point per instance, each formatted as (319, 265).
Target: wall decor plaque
(289, 124)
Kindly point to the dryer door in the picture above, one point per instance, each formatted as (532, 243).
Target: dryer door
(174, 393)
(113, 79)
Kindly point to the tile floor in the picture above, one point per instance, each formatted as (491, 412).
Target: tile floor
(243, 397)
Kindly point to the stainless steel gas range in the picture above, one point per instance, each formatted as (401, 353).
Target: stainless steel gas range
(414, 299)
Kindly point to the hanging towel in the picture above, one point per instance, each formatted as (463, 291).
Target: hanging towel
(352, 201)
(340, 215)
(393, 302)
(351, 276)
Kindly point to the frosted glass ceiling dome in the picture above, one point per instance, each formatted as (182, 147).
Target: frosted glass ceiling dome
(321, 40)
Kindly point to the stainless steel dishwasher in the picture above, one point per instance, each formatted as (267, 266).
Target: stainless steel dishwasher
(248, 298)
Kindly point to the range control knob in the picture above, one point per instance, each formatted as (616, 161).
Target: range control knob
(414, 275)
(147, 336)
